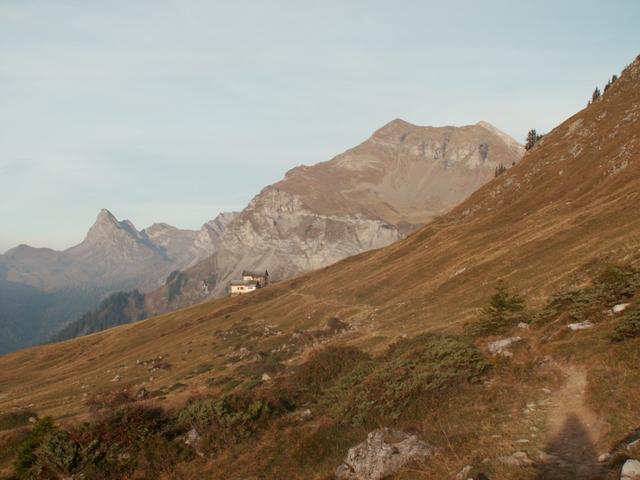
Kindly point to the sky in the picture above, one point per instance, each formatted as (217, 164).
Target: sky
(175, 110)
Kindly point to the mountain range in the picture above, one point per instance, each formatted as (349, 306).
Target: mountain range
(365, 198)
(42, 290)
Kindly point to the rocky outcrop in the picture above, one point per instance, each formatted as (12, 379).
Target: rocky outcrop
(630, 470)
(382, 454)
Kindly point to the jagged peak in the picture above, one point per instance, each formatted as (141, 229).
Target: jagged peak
(106, 215)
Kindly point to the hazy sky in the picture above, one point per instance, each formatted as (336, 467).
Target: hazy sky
(175, 110)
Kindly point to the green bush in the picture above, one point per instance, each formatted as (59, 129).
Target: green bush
(629, 327)
(226, 422)
(411, 371)
(503, 312)
(27, 456)
(617, 283)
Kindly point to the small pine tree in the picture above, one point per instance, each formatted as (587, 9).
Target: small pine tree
(532, 139)
(595, 95)
(503, 312)
(500, 169)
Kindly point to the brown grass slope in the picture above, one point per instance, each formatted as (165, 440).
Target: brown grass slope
(572, 201)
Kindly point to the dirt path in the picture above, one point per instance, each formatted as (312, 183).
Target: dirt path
(572, 432)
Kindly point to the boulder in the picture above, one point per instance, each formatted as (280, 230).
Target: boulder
(580, 326)
(630, 470)
(382, 454)
(621, 307)
(499, 346)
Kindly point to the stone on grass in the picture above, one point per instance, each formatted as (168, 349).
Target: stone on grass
(499, 346)
(580, 325)
(621, 307)
(382, 454)
(630, 470)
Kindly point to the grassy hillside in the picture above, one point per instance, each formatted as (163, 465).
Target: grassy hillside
(561, 228)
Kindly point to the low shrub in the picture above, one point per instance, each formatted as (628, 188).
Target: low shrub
(26, 463)
(629, 327)
(225, 422)
(411, 372)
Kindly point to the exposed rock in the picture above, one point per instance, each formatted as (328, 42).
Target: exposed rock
(142, 393)
(464, 473)
(604, 458)
(630, 470)
(523, 326)
(191, 437)
(383, 453)
(580, 326)
(499, 346)
(621, 307)
(117, 378)
(266, 377)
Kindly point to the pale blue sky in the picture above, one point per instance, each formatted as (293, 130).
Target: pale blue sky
(175, 110)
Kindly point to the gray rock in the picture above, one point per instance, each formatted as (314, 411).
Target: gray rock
(383, 453)
(630, 470)
(499, 346)
(142, 394)
(604, 458)
(621, 307)
(580, 326)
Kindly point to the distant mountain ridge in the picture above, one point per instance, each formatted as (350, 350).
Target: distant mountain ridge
(50, 288)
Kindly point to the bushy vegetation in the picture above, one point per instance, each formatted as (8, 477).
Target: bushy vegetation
(126, 441)
(614, 284)
(629, 327)
(225, 422)
(504, 311)
(412, 372)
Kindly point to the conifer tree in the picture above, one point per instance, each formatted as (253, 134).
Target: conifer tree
(532, 138)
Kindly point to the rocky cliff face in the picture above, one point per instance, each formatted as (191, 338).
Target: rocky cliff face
(366, 198)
